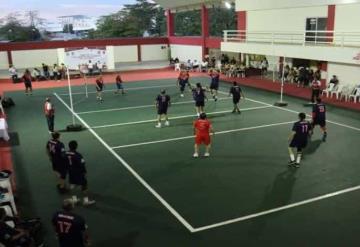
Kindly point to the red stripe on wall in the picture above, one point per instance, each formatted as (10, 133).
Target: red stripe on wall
(213, 43)
(330, 25)
(81, 43)
(186, 40)
(241, 23)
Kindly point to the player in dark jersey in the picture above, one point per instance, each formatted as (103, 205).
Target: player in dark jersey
(119, 85)
(162, 103)
(319, 117)
(56, 152)
(298, 139)
(182, 81)
(99, 88)
(70, 228)
(236, 93)
(199, 97)
(214, 85)
(77, 173)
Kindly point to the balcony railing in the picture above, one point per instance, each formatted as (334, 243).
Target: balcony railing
(328, 38)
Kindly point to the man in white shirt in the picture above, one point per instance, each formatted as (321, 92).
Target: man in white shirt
(13, 73)
(90, 66)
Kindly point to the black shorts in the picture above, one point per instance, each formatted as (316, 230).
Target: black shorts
(99, 90)
(199, 103)
(320, 122)
(28, 85)
(60, 168)
(162, 110)
(299, 144)
(214, 86)
(236, 100)
(78, 179)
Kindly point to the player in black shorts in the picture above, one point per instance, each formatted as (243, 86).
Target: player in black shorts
(162, 103)
(77, 173)
(199, 97)
(99, 88)
(182, 81)
(298, 139)
(236, 93)
(71, 229)
(214, 85)
(56, 152)
(319, 117)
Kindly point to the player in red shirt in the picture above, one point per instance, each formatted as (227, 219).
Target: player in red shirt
(202, 130)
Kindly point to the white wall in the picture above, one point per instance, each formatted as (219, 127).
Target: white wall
(185, 52)
(283, 19)
(276, 4)
(61, 55)
(4, 60)
(154, 52)
(347, 74)
(347, 17)
(126, 53)
(34, 58)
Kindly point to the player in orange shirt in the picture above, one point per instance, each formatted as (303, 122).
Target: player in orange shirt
(202, 130)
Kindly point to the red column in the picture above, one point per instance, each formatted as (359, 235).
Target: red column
(9, 56)
(324, 68)
(170, 23)
(330, 25)
(241, 24)
(204, 29)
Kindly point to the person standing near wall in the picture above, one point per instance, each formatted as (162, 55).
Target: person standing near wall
(49, 111)
(13, 73)
(315, 90)
(27, 82)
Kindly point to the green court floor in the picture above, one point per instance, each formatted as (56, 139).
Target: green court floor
(151, 192)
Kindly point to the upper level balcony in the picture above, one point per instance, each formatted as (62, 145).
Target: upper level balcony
(342, 47)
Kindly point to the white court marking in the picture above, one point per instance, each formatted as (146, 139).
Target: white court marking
(140, 107)
(172, 118)
(192, 136)
(126, 89)
(130, 169)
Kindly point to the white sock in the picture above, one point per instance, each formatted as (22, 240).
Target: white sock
(292, 157)
(298, 158)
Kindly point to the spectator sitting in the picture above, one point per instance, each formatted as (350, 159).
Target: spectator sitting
(176, 60)
(45, 69)
(233, 60)
(13, 73)
(35, 73)
(241, 71)
(204, 66)
(264, 66)
(334, 81)
(317, 74)
(196, 64)
(56, 73)
(189, 65)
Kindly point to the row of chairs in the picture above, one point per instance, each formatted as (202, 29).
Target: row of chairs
(343, 92)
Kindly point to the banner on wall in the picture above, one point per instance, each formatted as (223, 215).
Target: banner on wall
(74, 57)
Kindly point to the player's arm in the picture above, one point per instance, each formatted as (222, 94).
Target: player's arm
(211, 130)
(291, 136)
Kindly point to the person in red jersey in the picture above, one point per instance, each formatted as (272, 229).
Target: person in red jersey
(202, 130)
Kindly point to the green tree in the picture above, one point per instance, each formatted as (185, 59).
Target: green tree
(221, 19)
(188, 23)
(14, 29)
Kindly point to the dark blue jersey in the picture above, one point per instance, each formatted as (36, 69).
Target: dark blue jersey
(56, 150)
(70, 229)
(319, 111)
(99, 84)
(76, 164)
(199, 94)
(301, 129)
(215, 79)
(236, 92)
(163, 101)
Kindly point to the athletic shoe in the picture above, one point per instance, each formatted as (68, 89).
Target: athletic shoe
(195, 155)
(291, 163)
(324, 137)
(89, 203)
(181, 95)
(206, 154)
(233, 111)
(158, 125)
(167, 123)
(198, 114)
(297, 165)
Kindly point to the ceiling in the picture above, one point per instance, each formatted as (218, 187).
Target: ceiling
(183, 4)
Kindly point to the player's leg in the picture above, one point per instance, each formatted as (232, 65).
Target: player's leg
(298, 157)
(324, 131)
(182, 88)
(167, 123)
(197, 109)
(292, 156)
(51, 123)
(84, 190)
(196, 151)
(207, 142)
(158, 125)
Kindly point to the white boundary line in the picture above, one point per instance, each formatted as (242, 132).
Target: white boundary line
(293, 111)
(142, 106)
(318, 198)
(127, 89)
(189, 137)
(131, 170)
(172, 118)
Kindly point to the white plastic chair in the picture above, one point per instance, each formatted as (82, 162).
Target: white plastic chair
(338, 91)
(328, 89)
(355, 95)
(346, 92)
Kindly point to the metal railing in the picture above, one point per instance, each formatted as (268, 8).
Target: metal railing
(340, 39)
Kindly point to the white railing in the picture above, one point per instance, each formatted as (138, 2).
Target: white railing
(341, 39)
